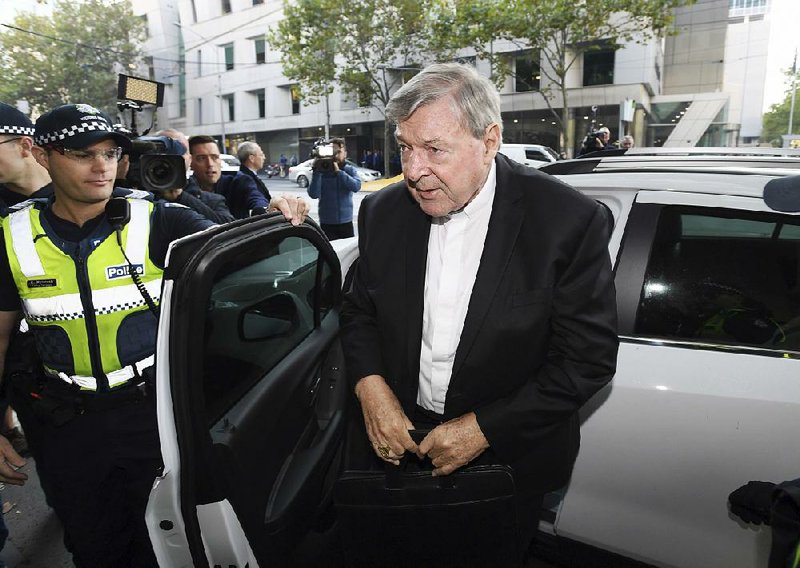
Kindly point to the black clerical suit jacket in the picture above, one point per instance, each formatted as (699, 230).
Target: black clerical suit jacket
(540, 334)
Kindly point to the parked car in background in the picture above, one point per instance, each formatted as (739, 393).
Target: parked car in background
(706, 395)
(303, 172)
(534, 155)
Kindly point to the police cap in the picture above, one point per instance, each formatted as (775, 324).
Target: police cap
(75, 127)
(12, 121)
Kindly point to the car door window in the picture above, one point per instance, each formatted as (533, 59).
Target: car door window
(723, 276)
(257, 313)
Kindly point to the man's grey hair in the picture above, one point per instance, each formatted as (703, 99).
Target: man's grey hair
(245, 150)
(473, 97)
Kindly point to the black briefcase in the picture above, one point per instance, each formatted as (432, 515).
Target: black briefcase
(404, 516)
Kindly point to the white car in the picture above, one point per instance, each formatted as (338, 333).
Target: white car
(706, 395)
(303, 172)
(534, 155)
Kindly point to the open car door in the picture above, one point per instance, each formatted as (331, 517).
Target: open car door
(251, 392)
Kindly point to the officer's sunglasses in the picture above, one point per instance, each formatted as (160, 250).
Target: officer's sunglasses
(89, 156)
(11, 140)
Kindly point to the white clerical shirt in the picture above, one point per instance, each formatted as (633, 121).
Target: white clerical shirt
(455, 247)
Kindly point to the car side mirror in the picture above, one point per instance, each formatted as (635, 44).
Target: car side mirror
(273, 317)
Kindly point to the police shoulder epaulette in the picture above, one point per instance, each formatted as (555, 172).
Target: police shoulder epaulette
(171, 204)
(131, 193)
(37, 201)
(140, 194)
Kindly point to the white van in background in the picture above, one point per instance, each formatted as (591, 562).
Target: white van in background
(533, 155)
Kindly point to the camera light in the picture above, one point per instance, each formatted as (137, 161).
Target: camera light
(142, 91)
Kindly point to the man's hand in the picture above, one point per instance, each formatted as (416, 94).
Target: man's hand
(454, 444)
(293, 208)
(387, 424)
(172, 194)
(10, 462)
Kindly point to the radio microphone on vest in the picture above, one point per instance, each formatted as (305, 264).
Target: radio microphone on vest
(118, 212)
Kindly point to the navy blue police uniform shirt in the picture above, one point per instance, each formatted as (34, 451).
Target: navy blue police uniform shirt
(169, 222)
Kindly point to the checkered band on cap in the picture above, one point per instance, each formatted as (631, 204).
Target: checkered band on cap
(73, 130)
(13, 121)
(13, 129)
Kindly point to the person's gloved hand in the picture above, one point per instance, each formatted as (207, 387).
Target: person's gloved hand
(752, 502)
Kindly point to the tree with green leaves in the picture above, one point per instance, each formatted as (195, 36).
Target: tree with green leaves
(71, 56)
(776, 119)
(557, 34)
(367, 47)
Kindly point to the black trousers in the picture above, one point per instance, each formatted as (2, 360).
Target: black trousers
(338, 231)
(100, 467)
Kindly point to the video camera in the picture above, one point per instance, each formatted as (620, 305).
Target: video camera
(323, 153)
(157, 164)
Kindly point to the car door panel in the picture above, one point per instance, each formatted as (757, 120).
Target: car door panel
(255, 369)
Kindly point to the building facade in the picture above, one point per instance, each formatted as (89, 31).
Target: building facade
(702, 86)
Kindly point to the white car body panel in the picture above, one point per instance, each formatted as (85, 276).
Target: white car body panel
(668, 507)
(671, 509)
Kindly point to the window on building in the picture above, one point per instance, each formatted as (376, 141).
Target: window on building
(261, 50)
(226, 6)
(199, 62)
(738, 8)
(194, 12)
(146, 25)
(598, 66)
(261, 96)
(228, 56)
(151, 71)
(227, 105)
(198, 111)
(719, 276)
(527, 73)
(257, 2)
(295, 93)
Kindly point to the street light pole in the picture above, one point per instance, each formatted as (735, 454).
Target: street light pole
(794, 91)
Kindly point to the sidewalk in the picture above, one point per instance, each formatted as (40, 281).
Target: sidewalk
(35, 534)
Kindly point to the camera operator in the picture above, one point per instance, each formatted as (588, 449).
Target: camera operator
(334, 182)
(210, 205)
(596, 141)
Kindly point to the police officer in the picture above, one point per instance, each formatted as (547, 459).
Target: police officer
(20, 174)
(87, 283)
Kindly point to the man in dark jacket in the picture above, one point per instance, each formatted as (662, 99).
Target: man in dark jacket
(482, 305)
(242, 201)
(251, 158)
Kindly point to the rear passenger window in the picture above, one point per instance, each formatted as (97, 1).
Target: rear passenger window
(723, 276)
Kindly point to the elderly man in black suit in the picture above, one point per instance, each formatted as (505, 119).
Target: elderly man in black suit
(483, 302)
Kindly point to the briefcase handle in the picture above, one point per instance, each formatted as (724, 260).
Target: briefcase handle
(395, 474)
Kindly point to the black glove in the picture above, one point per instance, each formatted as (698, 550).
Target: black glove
(752, 502)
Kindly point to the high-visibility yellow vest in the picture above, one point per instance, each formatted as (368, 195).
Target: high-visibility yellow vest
(91, 324)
